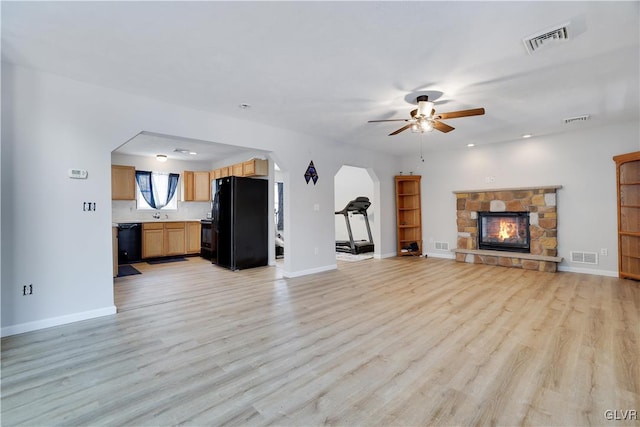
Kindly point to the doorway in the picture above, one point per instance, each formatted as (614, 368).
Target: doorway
(351, 183)
(278, 209)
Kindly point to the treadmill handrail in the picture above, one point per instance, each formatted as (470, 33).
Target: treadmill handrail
(357, 206)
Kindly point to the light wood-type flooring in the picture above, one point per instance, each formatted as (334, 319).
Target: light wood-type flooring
(391, 342)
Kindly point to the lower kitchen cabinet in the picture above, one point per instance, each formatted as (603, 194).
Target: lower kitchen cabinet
(114, 248)
(193, 237)
(152, 240)
(170, 238)
(174, 238)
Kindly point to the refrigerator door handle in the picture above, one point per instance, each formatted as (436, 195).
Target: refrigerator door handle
(215, 212)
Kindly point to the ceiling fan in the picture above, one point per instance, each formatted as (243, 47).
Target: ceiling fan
(425, 119)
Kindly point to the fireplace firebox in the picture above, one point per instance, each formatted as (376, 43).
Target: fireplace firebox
(504, 231)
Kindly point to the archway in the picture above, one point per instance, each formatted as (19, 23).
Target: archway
(351, 182)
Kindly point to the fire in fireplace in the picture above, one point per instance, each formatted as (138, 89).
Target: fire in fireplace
(504, 231)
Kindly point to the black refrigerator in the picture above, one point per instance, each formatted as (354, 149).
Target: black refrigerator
(240, 215)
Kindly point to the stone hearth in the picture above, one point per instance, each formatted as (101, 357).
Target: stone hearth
(540, 202)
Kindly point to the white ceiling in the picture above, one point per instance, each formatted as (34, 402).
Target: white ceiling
(150, 144)
(325, 68)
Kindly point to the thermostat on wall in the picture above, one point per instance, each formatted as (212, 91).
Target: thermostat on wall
(78, 173)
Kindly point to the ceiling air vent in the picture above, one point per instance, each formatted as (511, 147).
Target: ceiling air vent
(537, 41)
(576, 119)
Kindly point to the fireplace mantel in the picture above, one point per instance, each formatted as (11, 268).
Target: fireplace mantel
(540, 202)
(493, 190)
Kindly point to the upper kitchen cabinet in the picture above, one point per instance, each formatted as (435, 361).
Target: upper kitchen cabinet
(123, 182)
(255, 167)
(197, 186)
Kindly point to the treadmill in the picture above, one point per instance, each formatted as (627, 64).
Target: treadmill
(358, 206)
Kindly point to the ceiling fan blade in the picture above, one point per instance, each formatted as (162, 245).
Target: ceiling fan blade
(388, 120)
(403, 128)
(442, 127)
(461, 113)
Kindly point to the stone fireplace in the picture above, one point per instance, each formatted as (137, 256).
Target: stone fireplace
(509, 227)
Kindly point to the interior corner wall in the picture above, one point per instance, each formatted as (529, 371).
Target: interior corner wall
(580, 161)
(51, 124)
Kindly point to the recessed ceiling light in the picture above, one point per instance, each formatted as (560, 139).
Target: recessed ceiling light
(184, 151)
(244, 106)
(471, 145)
(527, 135)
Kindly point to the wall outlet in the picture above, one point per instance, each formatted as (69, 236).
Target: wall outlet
(604, 251)
(27, 289)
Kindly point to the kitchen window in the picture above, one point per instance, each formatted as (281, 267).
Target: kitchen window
(156, 190)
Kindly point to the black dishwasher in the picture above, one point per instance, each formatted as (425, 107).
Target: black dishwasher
(129, 243)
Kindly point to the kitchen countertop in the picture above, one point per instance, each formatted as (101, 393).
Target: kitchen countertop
(115, 222)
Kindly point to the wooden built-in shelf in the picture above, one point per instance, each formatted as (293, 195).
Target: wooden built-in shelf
(628, 184)
(408, 214)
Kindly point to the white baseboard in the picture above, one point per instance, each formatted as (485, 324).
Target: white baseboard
(595, 272)
(57, 321)
(387, 255)
(445, 255)
(291, 274)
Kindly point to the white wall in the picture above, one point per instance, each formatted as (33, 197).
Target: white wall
(51, 124)
(352, 182)
(580, 161)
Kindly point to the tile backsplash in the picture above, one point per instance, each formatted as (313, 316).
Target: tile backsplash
(125, 210)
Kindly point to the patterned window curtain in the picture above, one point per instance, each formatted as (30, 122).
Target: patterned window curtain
(173, 184)
(146, 187)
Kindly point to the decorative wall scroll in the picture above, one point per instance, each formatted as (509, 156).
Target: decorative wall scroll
(311, 173)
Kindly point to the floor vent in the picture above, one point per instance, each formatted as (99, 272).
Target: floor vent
(537, 41)
(576, 119)
(442, 246)
(584, 257)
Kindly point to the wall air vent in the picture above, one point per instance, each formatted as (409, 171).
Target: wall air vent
(576, 119)
(549, 37)
(584, 257)
(441, 246)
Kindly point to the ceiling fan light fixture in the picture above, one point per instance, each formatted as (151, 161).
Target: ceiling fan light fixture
(426, 125)
(425, 108)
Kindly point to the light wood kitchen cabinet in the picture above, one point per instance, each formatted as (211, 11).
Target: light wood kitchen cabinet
(236, 170)
(193, 237)
(114, 249)
(174, 238)
(161, 239)
(123, 182)
(152, 240)
(197, 186)
(628, 182)
(255, 167)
